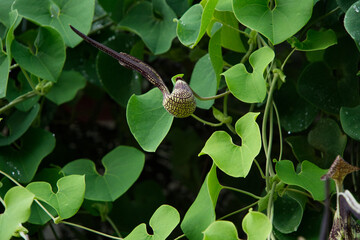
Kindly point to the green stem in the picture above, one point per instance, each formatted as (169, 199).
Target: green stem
(264, 123)
(237, 211)
(242, 191)
(233, 28)
(212, 97)
(2, 201)
(18, 100)
(206, 122)
(225, 112)
(28, 79)
(260, 170)
(101, 28)
(270, 208)
(298, 191)
(287, 58)
(179, 237)
(90, 230)
(100, 17)
(45, 210)
(14, 66)
(12, 179)
(113, 226)
(280, 132)
(249, 51)
(270, 141)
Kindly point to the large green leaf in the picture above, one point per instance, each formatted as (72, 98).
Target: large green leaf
(308, 178)
(350, 121)
(277, 24)
(250, 87)
(67, 200)
(352, 21)
(202, 212)
(315, 40)
(153, 22)
(148, 121)
(5, 9)
(221, 230)
(203, 81)
(235, 160)
(59, 14)
(17, 123)
(65, 89)
(45, 58)
(345, 4)
(288, 212)
(6, 57)
(163, 222)
(256, 225)
(296, 114)
(123, 166)
(192, 25)
(215, 52)
(22, 163)
(303, 150)
(119, 82)
(17, 210)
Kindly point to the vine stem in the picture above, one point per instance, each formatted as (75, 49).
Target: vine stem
(179, 237)
(260, 170)
(113, 226)
(280, 133)
(270, 208)
(18, 100)
(212, 97)
(287, 58)
(269, 170)
(90, 230)
(237, 211)
(242, 191)
(206, 122)
(233, 28)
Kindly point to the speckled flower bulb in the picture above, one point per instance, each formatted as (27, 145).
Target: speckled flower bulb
(180, 103)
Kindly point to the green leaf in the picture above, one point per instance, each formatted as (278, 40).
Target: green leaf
(5, 9)
(6, 57)
(45, 58)
(328, 138)
(22, 163)
(250, 87)
(65, 89)
(17, 211)
(352, 20)
(296, 114)
(235, 160)
(303, 150)
(315, 40)
(230, 37)
(202, 212)
(17, 123)
(115, 9)
(277, 24)
(67, 200)
(308, 178)
(256, 225)
(221, 230)
(192, 25)
(288, 212)
(345, 4)
(215, 52)
(163, 222)
(123, 166)
(119, 82)
(224, 5)
(59, 15)
(153, 22)
(21, 87)
(148, 121)
(350, 121)
(203, 81)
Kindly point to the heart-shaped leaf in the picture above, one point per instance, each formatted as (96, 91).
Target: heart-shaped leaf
(119, 82)
(22, 163)
(350, 121)
(67, 200)
(18, 201)
(202, 212)
(5, 9)
(309, 178)
(157, 32)
(221, 230)
(256, 225)
(162, 222)
(352, 21)
(65, 89)
(123, 166)
(148, 121)
(278, 24)
(203, 81)
(59, 15)
(46, 57)
(250, 87)
(235, 160)
(192, 25)
(18, 122)
(315, 40)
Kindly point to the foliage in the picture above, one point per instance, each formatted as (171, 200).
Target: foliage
(86, 140)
